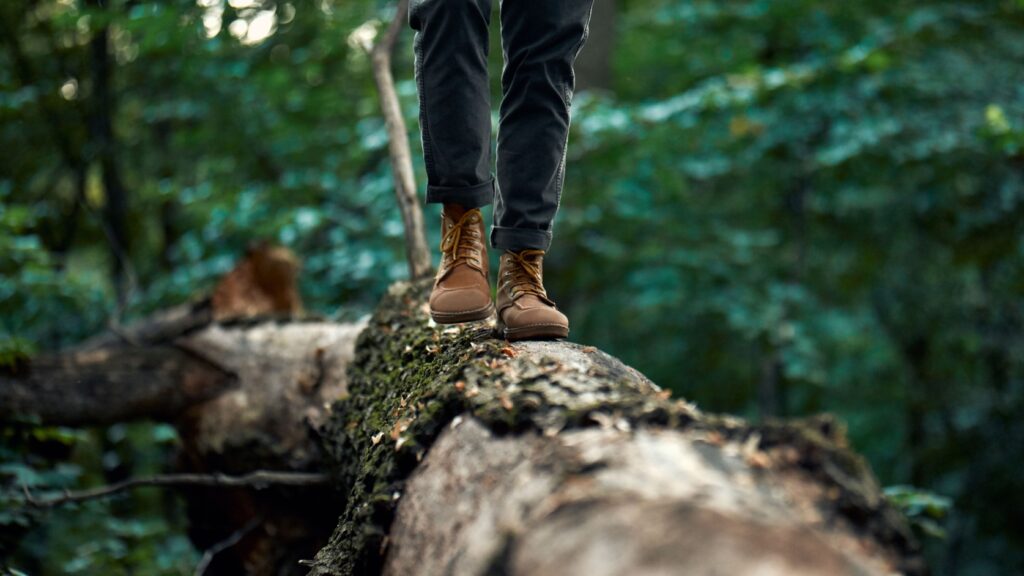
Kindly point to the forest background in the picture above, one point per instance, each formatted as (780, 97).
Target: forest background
(774, 208)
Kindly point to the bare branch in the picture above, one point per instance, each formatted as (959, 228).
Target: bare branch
(387, 43)
(398, 146)
(257, 480)
(224, 544)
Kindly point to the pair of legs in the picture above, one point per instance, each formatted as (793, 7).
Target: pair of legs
(540, 40)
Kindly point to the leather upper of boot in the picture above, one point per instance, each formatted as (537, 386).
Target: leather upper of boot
(461, 282)
(522, 299)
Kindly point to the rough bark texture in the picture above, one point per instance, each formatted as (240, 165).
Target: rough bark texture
(462, 454)
(288, 373)
(603, 501)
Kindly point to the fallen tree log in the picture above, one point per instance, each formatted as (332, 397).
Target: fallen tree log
(244, 395)
(243, 380)
(463, 454)
(458, 453)
(77, 388)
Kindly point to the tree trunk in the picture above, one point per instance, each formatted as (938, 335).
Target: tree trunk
(115, 197)
(458, 453)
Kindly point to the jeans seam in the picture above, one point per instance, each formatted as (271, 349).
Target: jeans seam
(571, 86)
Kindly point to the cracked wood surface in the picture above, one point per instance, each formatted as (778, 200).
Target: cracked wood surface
(606, 502)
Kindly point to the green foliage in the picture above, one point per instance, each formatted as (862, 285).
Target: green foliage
(34, 290)
(128, 533)
(823, 214)
(923, 508)
(778, 207)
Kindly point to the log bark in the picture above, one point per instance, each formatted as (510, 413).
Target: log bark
(463, 454)
(454, 452)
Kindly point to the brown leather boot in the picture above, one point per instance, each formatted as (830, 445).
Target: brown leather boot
(524, 309)
(462, 292)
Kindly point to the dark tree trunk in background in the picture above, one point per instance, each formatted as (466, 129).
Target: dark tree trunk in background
(594, 64)
(770, 403)
(170, 217)
(104, 145)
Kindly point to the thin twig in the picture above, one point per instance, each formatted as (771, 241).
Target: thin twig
(395, 26)
(224, 544)
(417, 253)
(258, 480)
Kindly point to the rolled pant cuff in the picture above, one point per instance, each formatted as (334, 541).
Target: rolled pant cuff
(516, 239)
(468, 196)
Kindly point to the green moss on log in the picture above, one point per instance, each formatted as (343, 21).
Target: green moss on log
(399, 399)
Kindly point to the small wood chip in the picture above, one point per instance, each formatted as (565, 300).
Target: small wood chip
(714, 438)
(758, 460)
(399, 427)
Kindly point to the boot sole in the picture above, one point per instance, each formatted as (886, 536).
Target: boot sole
(465, 316)
(535, 332)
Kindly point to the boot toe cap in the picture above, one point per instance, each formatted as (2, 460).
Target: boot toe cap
(460, 304)
(535, 323)
(542, 316)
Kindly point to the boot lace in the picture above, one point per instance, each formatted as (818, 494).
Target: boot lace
(525, 274)
(456, 246)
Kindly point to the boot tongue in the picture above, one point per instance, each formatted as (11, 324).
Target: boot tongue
(527, 276)
(461, 246)
(537, 260)
(452, 213)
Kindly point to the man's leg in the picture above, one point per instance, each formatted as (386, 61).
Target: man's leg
(540, 40)
(451, 47)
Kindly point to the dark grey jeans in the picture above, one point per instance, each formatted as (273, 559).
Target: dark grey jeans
(540, 40)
